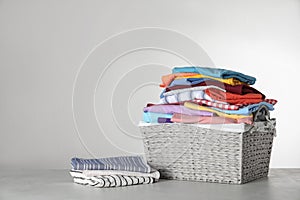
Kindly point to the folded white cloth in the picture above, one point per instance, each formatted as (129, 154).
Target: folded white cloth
(185, 96)
(90, 173)
(199, 88)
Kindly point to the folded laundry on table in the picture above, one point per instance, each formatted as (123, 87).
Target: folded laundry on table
(113, 171)
(128, 163)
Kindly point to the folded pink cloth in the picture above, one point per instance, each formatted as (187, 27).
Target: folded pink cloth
(170, 109)
(181, 118)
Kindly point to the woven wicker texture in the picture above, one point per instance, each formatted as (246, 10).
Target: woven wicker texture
(185, 152)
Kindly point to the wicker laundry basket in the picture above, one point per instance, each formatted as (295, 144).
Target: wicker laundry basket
(235, 153)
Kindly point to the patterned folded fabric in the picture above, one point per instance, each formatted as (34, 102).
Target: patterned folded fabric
(247, 109)
(113, 178)
(216, 72)
(126, 163)
(224, 106)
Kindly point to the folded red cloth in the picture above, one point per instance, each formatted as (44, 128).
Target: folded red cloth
(237, 89)
(270, 101)
(234, 98)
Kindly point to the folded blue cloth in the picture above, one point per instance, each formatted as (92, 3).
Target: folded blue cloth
(217, 73)
(123, 163)
(195, 81)
(247, 110)
(182, 81)
(187, 81)
(151, 117)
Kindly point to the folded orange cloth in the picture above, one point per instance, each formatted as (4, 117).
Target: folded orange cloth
(234, 98)
(167, 79)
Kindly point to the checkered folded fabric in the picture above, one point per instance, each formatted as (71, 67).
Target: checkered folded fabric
(226, 106)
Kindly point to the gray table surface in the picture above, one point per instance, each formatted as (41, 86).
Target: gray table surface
(57, 184)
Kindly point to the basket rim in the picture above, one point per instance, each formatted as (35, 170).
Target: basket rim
(238, 128)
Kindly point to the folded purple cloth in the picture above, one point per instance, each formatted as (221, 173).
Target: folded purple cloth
(164, 120)
(171, 109)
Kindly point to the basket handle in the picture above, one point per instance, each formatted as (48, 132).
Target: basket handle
(262, 114)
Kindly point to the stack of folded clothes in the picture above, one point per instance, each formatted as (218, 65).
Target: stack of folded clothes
(206, 96)
(113, 171)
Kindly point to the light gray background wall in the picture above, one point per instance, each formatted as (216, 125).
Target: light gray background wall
(43, 44)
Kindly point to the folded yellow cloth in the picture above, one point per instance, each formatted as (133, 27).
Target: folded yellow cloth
(230, 81)
(221, 114)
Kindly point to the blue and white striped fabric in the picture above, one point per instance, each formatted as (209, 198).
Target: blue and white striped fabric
(125, 163)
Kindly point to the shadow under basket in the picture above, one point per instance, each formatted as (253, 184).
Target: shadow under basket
(228, 153)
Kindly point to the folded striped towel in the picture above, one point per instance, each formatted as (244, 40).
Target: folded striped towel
(124, 163)
(112, 178)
